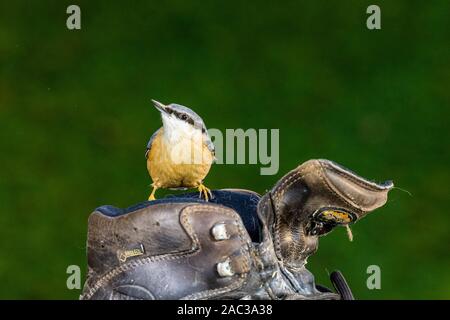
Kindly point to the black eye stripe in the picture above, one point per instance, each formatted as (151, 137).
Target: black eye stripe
(183, 116)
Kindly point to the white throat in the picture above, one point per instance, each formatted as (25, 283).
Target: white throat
(176, 130)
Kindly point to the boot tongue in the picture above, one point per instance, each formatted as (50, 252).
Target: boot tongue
(311, 200)
(360, 193)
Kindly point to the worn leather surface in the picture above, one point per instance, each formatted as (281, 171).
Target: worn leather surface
(289, 208)
(289, 212)
(166, 249)
(244, 202)
(180, 256)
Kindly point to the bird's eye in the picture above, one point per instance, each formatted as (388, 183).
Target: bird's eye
(183, 117)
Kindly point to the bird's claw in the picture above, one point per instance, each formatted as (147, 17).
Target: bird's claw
(205, 192)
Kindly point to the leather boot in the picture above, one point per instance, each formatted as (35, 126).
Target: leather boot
(237, 246)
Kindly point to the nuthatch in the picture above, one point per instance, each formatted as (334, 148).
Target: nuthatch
(180, 153)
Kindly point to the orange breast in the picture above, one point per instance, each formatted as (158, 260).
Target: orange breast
(183, 165)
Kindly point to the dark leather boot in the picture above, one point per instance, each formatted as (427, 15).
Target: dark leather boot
(237, 246)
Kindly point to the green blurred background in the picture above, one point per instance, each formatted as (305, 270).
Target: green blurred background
(76, 116)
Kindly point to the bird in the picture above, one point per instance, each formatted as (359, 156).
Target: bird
(180, 153)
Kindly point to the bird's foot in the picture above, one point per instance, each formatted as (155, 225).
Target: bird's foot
(205, 192)
(152, 195)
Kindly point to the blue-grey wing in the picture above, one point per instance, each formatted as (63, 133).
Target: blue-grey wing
(149, 144)
(209, 143)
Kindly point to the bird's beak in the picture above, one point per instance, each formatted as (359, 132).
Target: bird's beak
(158, 105)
